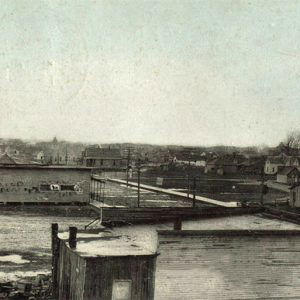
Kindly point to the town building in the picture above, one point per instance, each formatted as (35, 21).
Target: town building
(288, 175)
(273, 163)
(105, 158)
(226, 164)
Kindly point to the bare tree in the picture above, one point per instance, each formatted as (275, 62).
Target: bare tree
(292, 142)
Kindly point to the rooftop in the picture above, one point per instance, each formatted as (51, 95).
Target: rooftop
(103, 244)
(94, 152)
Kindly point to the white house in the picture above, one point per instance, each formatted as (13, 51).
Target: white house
(273, 163)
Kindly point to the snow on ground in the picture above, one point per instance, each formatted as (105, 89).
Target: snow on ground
(14, 258)
(16, 275)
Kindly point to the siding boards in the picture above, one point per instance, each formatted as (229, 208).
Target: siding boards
(216, 267)
(71, 276)
(101, 272)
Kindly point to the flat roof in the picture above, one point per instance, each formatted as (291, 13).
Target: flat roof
(106, 244)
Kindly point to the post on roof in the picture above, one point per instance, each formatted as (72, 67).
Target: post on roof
(73, 237)
(178, 223)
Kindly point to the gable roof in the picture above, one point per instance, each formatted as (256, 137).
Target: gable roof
(102, 153)
(276, 160)
(227, 160)
(287, 170)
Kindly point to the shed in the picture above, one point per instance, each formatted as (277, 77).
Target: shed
(288, 175)
(103, 266)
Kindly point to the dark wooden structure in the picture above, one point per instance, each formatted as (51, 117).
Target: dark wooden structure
(124, 215)
(113, 269)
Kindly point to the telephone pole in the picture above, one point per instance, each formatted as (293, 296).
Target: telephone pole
(139, 180)
(262, 186)
(194, 192)
(127, 170)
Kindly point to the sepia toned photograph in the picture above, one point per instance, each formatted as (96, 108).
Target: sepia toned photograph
(149, 150)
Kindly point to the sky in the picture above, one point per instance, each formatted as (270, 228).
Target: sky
(164, 72)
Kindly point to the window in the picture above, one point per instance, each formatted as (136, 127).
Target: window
(101, 162)
(114, 162)
(121, 290)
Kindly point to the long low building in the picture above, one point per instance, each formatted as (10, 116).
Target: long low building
(103, 158)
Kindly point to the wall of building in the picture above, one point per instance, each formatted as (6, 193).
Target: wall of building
(271, 169)
(20, 184)
(104, 163)
(294, 199)
(101, 272)
(71, 274)
(249, 267)
(282, 178)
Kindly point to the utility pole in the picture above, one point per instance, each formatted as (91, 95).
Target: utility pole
(262, 186)
(127, 170)
(194, 192)
(139, 180)
(188, 186)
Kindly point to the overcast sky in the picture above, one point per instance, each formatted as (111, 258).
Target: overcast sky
(166, 72)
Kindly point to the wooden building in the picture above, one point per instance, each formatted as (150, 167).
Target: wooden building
(288, 175)
(103, 158)
(92, 266)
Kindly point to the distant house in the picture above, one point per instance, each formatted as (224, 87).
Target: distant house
(102, 157)
(253, 166)
(5, 159)
(194, 160)
(288, 175)
(226, 164)
(39, 156)
(292, 161)
(273, 163)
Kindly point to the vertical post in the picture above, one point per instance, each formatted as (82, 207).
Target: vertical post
(178, 223)
(55, 256)
(90, 188)
(127, 171)
(72, 237)
(188, 186)
(194, 192)
(262, 186)
(103, 190)
(98, 191)
(139, 181)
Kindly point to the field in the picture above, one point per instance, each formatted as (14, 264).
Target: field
(218, 188)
